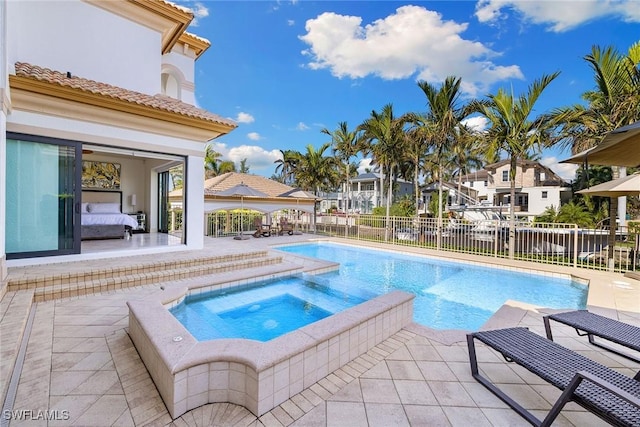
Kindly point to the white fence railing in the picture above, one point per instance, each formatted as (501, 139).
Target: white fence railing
(561, 244)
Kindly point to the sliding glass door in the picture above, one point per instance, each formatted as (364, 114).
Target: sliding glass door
(42, 196)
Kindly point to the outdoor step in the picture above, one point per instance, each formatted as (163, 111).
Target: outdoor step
(14, 312)
(103, 284)
(21, 278)
(238, 277)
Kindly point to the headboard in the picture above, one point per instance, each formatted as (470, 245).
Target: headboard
(102, 196)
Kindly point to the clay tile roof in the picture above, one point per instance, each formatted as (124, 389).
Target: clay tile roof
(271, 188)
(177, 6)
(159, 102)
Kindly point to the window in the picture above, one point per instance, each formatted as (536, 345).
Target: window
(543, 176)
(471, 184)
(170, 86)
(505, 176)
(544, 194)
(486, 183)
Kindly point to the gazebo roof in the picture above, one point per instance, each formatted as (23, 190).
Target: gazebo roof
(271, 188)
(273, 201)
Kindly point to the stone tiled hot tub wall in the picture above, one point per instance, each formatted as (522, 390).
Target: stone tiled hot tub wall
(256, 375)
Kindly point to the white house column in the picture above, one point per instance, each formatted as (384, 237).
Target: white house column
(194, 184)
(622, 202)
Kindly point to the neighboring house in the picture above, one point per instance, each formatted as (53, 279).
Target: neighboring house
(478, 181)
(537, 188)
(367, 192)
(456, 194)
(108, 82)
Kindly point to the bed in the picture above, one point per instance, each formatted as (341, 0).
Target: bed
(102, 217)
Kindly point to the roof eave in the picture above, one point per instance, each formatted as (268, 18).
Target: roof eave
(99, 100)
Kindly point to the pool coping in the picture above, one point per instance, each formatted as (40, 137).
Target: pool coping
(256, 375)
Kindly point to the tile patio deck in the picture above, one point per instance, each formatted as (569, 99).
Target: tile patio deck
(81, 364)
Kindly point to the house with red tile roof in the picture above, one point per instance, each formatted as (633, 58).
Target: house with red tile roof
(98, 105)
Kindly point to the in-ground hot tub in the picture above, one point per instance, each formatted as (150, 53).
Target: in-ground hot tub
(257, 375)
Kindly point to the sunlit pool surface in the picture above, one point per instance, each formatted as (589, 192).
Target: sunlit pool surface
(449, 295)
(265, 310)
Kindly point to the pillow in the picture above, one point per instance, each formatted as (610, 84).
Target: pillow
(84, 208)
(104, 207)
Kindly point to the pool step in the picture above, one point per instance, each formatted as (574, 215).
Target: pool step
(73, 280)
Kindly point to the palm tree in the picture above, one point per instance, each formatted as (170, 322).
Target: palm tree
(314, 171)
(345, 145)
(513, 131)
(244, 168)
(214, 165)
(287, 165)
(384, 138)
(445, 114)
(614, 103)
(464, 155)
(417, 146)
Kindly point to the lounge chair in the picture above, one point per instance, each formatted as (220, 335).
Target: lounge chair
(262, 230)
(612, 396)
(285, 226)
(593, 325)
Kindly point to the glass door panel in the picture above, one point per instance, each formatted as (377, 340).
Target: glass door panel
(41, 194)
(163, 202)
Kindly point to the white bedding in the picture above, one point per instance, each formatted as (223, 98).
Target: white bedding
(108, 219)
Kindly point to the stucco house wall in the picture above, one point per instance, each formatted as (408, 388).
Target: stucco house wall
(81, 84)
(86, 41)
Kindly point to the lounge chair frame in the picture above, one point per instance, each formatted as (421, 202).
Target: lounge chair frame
(262, 230)
(285, 226)
(593, 325)
(606, 393)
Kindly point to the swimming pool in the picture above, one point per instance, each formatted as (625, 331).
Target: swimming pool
(263, 311)
(449, 295)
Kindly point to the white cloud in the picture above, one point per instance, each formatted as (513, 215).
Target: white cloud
(364, 164)
(559, 16)
(220, 147)
(291, 22)
(254, 136)
(477, 123)
(412, 42)
(258, 159)
(302, 126)
(567, 171)
(198, 8)
(245, 118)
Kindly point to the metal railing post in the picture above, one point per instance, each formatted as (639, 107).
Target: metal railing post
(575, 245)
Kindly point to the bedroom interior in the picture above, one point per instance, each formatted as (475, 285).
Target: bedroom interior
(102, 216)
(119, 191)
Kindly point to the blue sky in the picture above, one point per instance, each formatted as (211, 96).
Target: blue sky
(286, 69)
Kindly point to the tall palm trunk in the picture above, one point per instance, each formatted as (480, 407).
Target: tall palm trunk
(346, 204)
(416, 188)
(389, 196)
(613, 211)
(621, 172)
(439, 220)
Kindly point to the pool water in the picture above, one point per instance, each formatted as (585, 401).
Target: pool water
(449, 295)
(263, 311)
